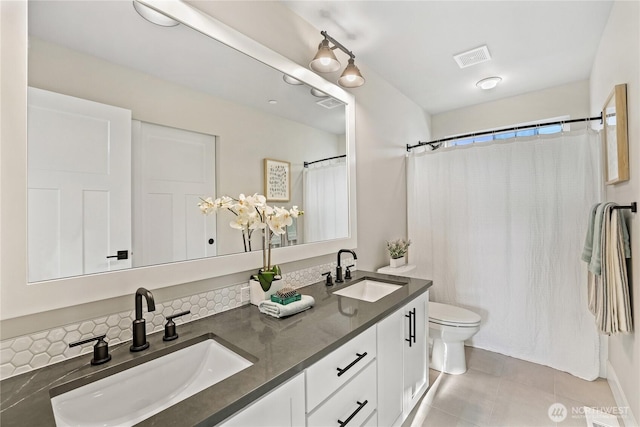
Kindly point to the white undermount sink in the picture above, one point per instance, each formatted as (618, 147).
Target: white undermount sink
(130, 396)
(368, 290)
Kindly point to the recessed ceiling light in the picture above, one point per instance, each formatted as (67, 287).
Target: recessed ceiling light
(273, 101)
(489, 83)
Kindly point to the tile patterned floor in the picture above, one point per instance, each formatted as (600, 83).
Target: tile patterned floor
(498, 391)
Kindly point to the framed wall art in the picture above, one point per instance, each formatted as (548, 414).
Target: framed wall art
(616, 145)
(277, 180)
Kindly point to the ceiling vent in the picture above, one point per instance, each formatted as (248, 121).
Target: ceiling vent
(329, 103)
(473, 57)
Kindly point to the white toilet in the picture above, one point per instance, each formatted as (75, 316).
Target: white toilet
(449, 327)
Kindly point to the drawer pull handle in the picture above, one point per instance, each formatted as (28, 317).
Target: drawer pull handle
(359, 358)
(360, 406)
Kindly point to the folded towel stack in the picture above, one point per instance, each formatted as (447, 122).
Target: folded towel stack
(278, 310)
(606, 247)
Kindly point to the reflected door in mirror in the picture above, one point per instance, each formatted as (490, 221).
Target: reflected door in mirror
(172, 169)
(79, 196)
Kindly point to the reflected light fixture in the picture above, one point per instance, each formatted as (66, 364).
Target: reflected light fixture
(489, 83)
(325, 61)
(291, 80)
(318, 93)
(154, 16)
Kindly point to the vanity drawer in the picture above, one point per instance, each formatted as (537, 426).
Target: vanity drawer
(357, 400)
(334, 370)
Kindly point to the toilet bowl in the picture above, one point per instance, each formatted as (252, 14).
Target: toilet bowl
(449, 327)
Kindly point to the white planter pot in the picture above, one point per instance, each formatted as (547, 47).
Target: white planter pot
(398, 262)
(258, 295)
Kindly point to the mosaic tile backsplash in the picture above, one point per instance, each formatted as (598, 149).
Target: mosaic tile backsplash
(29, 352)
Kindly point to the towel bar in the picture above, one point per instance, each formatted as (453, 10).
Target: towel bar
(633, 206)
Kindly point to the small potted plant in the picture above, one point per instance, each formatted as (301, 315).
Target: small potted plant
(397, 252)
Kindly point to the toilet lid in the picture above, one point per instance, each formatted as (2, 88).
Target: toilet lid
(450, 314)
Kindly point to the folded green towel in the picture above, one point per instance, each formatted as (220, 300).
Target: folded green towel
(595, 264)
(588, 241)
(278, 310)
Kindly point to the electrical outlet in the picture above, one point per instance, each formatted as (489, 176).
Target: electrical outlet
(244, 294)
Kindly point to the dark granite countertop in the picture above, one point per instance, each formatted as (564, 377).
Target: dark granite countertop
(279, 348)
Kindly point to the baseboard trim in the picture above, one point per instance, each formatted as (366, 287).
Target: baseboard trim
(619, 396)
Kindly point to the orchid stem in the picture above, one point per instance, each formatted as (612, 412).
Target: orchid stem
(269, 242)
(264, 250)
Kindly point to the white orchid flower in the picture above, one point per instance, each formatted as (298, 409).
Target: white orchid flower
(207, 206)
(254, 221)
(239, 223)
(295, 212)
(255, 201)
(253, 213)
(224, 202)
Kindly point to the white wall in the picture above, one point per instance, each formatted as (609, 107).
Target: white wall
(571, 99)
(386, 121)
(618, 61)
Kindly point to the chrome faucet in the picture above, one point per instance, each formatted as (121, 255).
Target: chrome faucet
(139, 325)
(339, 267)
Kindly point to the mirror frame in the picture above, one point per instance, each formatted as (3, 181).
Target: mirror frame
(20, 298)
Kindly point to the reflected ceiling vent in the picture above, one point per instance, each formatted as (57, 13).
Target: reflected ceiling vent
(472, 57)
(329, 103)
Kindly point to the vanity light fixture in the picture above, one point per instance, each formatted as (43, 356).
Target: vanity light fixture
(325, 61)
(154, 16)
(489, 83)
(351, 76)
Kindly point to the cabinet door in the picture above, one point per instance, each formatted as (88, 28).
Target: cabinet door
(282, 407)
(415, 350)
(390, 368)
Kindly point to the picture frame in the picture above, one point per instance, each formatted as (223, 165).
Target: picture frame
(616, 144)
(277, 180)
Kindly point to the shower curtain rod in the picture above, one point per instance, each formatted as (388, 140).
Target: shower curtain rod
(306, 164)
(489, 132)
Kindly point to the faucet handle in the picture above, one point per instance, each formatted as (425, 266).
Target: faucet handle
(347, 274)
(100, 350)
(329, 281)
(170, 333)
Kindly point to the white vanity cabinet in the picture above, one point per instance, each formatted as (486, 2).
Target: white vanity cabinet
(402, 360)
(341, 387)
(375, 379)
(282, 407)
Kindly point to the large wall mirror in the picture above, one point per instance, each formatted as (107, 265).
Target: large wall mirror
(130, 123)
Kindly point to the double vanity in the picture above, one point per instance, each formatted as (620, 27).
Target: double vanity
(351, 359)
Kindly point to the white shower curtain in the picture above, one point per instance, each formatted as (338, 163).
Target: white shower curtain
(325, 202)
(499, 229)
